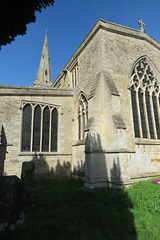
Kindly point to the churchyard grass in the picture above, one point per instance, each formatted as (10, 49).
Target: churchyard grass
(63, 209)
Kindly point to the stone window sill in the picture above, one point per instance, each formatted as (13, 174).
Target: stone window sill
(79, 142)
(42, 153)
(143, 141)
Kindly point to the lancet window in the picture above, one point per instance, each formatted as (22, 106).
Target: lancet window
(145, 98)
(39, 128)
(75, 77)
(82, 116)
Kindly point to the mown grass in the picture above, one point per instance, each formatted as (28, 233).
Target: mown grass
(63, 209)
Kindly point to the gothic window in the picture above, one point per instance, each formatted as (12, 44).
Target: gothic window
(135, 113)
(36, 128)
(54, 130)
(145, 101)
(75, 76)
(45, 135)
(82, 116)
(39, 128)
(26, 130)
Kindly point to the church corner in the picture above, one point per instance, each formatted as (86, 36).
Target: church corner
(99, 120)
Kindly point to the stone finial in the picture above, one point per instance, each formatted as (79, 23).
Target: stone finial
(141, 25)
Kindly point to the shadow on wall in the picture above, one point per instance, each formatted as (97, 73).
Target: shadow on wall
(42, 169)
(3, 148)
(104, 169)
(101, 169)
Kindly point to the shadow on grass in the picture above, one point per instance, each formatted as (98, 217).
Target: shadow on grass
(63, 209)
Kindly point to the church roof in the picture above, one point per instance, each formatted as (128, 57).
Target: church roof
(110, 27)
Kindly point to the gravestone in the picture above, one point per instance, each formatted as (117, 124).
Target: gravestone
(11, 204)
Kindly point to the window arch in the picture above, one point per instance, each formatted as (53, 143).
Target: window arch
(54, 130)
(39, 128)
(36, 128)
(82, 116)
(145, 98)
(26, 128)
(45, 134)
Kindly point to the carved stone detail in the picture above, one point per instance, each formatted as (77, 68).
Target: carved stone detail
(144, 78)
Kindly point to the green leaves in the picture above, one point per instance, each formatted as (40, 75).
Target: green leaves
(15, 15)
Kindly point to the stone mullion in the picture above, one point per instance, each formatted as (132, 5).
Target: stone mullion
(146, 116)
(50, 125)
(41, 133)
(81, 119)
(153, 118)
(86, 114)
(32, 122)
(138, 113)
(80, 123)
(84, 123)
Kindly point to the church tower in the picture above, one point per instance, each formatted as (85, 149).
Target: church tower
(44, 76)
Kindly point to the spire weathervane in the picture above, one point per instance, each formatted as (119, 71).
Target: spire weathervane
(141, 25)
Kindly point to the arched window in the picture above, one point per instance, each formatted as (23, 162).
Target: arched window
(145, 101)
(82, 116)
(44, 125)
(54, 130)
(26, 127)
(45, 135)
(37, 128)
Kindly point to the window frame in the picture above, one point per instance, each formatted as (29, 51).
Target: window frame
(144, 85)
(51, 108)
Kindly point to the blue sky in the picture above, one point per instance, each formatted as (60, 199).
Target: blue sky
(67, 23)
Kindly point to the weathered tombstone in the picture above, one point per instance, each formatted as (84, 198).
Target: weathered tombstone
(11, 204)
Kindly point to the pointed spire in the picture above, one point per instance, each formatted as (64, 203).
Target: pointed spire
(44, 76)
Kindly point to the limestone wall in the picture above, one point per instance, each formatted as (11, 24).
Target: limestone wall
(54, 163)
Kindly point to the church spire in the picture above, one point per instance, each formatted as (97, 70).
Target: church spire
(44, 76)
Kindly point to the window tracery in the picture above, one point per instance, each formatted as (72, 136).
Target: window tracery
(145, 98)
(39, 128)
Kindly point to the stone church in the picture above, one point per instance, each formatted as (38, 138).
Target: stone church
(99, 120)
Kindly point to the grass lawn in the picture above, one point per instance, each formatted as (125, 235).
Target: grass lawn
(63, 209)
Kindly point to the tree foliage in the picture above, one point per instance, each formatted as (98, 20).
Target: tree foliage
(16, 14)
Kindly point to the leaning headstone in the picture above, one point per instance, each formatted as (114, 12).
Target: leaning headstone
(11, 204)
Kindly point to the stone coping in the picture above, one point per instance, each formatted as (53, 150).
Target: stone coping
(78, 143)
(143, 141)
(110, 27)
(32, 91)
